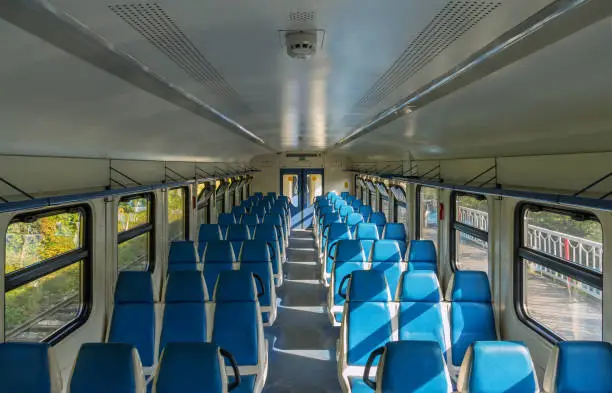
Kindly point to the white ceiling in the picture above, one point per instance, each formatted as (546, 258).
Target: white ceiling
(557, 100)
(54, 104)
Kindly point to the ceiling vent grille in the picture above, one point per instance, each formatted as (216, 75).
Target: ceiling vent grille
(159, 29)
(453, 21)
(300, 17)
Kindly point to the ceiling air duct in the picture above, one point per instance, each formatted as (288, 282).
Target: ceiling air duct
(301, 44)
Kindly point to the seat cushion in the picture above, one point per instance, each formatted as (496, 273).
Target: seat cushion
(235, 329)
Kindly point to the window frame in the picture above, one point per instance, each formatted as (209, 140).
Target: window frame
(417, 210)
(398, 203)
(461, 227)
(139, 230)
(521, 252)
(186, 209)
(382, 197)
(19, 278)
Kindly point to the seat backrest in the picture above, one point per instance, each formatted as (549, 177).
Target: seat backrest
(349, 257)
(394, 231)
(422, 255)
(238, 327)
(238, 210)
(224, 220)
(247, 204)
(356, 204)
(251, 221)
(277, 221)
(184, 319)
(421, 314)
(579, 367)
(182, 256)
(368, 234)
(237, 233)
(331, 195)
(208, 232)
(260, 211)
(191, 367)
(367, 320)
(386, 257)
(268, 233)
(259, 195)
(344, 194)
(335, 232)
(272, 194)
(29, 368)
(256, 257)
(471, 316)
(424, 358)
(352, 220)
(380, 220)
(345, 211)
(218, 256)
(365, 211)
(102, 368)
(133, 317)
(498, 366)
(339, 203)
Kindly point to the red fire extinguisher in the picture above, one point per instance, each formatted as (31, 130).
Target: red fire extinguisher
(441, 212)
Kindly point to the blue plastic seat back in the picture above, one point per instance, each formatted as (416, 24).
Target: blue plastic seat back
(236, 322)
(345, 211)
(369, 315)
(224, 220)
(102, 368)
(422, 251)
(365, 211)
(218, 256)
(190, 367)
(182, 256)
(323, 212)
(499, 366)
(349, 199)
(356, 204)
(349, 257)
(352, 220)
(426, 362)
(272, 194)
(251, 221)
(268, 233)
(471, 315)
(368, 234)
(207, 233)
(380, 220)
(247, 204)
(386, 257)
(579, 367)
(237, 233)
(344, 195)
(338, 203)
(421, 311)
(26, 368)
(277, 221)
(259, 195)
(395, 231)
(133, 319)
(238, 211)
(260, 211)
(331, 195)
(255, 257)
(184, 317)
(335, 232)
(328, 219)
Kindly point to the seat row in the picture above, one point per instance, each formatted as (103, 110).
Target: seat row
(372, 317)
(232, 320)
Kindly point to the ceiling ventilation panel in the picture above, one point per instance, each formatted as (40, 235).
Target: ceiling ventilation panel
(452, 22)
(159, 29)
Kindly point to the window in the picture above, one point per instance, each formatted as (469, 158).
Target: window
(47, 275)
(204, 193)
(135, 233)
(177, 217)
(427, 213)
(560, 273)
(400, 213)
(470, 232)
(383, 199)
(222, 186)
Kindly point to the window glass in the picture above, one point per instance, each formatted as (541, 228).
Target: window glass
(176, 214)
(471, 247)
(402, 216)
(48, 297)
(471, 253)
(472, 211)
(552, 295)
(132, 213)
(373, 201)
(134, 253)
(428, 214)
(384, 204)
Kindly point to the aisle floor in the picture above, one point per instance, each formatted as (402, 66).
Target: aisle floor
(302, 341)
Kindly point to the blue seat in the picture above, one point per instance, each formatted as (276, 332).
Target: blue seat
(349, 257)
(133, 317)
(365, 211)
(208, 232)
(218, 256)
(367, 323)
(238, 211)
(277, 221)
(224, 220)
(352, 220)
(260, 211)
(184, 316)
(332, 195)
(471, 312)
(428, 371)
(236, 234)
(380, 220)
(422, 255)
(182, 256)
(335, 232)
(251, 221)
(499, 366)
(422, 315)
(194, 367)
(327, 219)
(344, 195)
(356, 204)
(280, 211)
(367, 234)
(259, 195)
(29, 368)
(349, 199)
(323, 210)
(338, 203)
(268, 233)
(386, 257)
(396, 231)
(579, 367)
(238, 327)
(247, 204)
(103, 368)
(272, 194)
(256, 257)
(345, 211)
